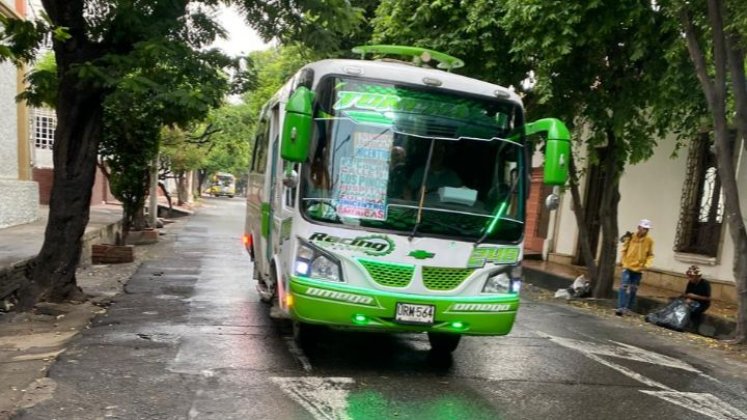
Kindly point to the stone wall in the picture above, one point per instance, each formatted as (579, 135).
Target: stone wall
(19, 203)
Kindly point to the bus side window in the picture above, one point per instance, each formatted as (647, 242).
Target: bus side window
(259, 162)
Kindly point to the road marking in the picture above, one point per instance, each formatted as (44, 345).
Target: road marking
(705, 404)
(324, 398)
(702, 403)
(622, 351)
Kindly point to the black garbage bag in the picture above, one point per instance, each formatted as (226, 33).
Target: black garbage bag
(676, 315)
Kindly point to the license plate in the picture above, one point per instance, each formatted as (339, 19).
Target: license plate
(415, 314)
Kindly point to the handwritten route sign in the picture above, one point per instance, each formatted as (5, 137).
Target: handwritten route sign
(364, 176)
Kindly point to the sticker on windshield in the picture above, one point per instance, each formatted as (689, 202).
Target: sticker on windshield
(364, 177)
(482, 256)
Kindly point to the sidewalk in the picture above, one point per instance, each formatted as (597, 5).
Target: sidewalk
(31, 341)
(19, 244)
(718, 322)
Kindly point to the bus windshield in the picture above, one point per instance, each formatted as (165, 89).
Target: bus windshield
(412, 160)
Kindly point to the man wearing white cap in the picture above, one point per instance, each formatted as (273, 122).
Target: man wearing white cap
(637, 255)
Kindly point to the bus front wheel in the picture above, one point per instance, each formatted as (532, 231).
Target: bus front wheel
(443, 343)
(305, 335)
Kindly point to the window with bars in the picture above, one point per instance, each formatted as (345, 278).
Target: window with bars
(44, 125)
(702, 203)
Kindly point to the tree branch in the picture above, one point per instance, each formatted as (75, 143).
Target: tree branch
(205, 136)
(697, 56)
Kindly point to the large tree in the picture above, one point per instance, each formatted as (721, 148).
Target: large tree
(716, 37)
(595, 63)
(601, 67)
(97, 43)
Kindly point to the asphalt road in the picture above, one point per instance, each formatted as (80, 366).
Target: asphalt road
(190, 340)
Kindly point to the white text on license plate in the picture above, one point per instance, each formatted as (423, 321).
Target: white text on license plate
(418, 314)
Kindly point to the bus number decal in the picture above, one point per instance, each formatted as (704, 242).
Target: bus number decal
(482, 256)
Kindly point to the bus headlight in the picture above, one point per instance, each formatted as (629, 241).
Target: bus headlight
(324, 268)
(314, 263)
(504, 281)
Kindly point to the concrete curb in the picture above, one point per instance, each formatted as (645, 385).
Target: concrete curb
(13, 275)
(711, 326)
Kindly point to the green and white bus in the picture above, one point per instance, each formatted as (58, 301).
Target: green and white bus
(390, 196)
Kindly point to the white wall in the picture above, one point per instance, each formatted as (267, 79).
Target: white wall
(43, 158)
(653, 190)
(19, 200)
(8, 122)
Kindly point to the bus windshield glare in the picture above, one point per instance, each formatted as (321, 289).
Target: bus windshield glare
(399, 158)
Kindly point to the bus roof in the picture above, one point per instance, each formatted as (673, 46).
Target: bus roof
(401, 72)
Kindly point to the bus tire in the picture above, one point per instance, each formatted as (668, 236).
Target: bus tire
(443, 343)
(267, 293)
(305, 335)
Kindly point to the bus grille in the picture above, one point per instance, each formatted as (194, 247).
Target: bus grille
(444, 278)
(385, 274)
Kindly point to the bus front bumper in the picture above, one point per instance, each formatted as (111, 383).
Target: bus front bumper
(341, 306)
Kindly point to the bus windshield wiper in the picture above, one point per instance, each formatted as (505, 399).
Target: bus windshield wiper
(498, 214)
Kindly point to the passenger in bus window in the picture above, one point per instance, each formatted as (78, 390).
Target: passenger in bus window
(439, 175)
(397, 172)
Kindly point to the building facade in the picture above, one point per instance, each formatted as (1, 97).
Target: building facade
(19, 195)
(681, 194)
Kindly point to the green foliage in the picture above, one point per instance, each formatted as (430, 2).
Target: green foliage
(164, 81)
(473, 33)
(230, 146)
(43, 83)
(321, 25)
(20, 39)
(274, 67)
(607, 65)
(221, 143)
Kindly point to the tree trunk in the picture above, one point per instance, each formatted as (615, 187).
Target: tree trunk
(181, 189)
(605, 275)
(201, 176)
(736, 60)
(79, 123)
(162, 185)
(583, 231)
(726, 55)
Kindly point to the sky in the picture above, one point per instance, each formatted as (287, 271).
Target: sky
(242, 39)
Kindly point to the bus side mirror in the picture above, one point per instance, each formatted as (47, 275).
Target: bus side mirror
(557, 153)
(297, 126)
(557, 148)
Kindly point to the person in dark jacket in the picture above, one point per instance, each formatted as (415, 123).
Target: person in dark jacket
(697, 294)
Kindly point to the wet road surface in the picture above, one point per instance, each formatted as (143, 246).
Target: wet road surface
(190, 340)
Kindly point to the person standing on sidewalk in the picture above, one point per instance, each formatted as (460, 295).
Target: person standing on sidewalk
(637, 255)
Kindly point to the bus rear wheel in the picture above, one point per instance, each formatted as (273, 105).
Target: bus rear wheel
(443, 343)
(267, 293)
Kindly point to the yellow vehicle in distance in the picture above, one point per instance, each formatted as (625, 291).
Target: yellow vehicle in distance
(223, 185)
